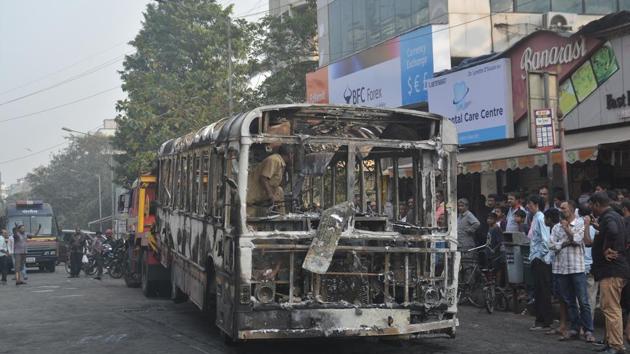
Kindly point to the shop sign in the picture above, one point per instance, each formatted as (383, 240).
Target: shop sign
(545, 132)
(613, 102)
(545, 51)
(477, 100)
(392, 74)
(563, 54)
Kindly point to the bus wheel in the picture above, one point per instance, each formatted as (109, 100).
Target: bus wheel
(51, 267)
(149, 288)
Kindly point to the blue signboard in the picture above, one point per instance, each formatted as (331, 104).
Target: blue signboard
(416, 64)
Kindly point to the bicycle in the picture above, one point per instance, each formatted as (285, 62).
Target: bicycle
(469, 289)
(493, 296)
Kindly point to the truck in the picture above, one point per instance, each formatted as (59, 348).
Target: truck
(43, 249)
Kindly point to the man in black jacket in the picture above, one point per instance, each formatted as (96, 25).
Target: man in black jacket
(610, 267)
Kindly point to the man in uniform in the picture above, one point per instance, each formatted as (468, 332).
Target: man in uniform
(264, 182)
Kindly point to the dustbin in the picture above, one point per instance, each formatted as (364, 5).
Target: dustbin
(516, 243)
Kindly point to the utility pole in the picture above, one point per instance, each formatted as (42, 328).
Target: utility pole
(563, 155)
(550, 152)
(229, 78)
(100, 205)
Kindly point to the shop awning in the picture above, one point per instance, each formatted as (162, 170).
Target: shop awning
(580, 147)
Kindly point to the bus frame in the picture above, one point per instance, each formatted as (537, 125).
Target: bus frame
(212, 249)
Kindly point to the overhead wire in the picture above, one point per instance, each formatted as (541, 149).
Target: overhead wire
(63, 68)
(68, 80)
(40, 151)
(60, 106)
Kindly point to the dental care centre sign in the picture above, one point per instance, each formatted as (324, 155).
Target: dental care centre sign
(478, 100)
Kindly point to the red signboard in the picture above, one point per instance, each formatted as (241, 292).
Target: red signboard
(317, 86)
(545, 51)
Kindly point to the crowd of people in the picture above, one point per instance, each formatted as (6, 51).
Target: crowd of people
(577, 250)
(13, 252)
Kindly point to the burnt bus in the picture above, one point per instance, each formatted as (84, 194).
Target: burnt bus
(353, 247)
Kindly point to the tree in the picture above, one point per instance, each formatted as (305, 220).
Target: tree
(70, 183)
(287, 50)
(176, 81)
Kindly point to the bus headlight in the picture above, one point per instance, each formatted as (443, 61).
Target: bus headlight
(265, 292)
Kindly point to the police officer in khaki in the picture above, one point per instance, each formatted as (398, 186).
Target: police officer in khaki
(264, 183)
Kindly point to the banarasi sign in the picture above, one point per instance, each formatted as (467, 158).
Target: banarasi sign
(545, 51)
(391, 74)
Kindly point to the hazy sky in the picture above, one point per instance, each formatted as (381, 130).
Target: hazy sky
(43, 43)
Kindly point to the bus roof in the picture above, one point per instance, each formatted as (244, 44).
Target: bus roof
(237, 126)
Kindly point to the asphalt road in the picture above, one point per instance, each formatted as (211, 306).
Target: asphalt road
(54, 314)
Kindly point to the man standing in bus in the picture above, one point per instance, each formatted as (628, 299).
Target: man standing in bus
(264, 183)
(19, 249)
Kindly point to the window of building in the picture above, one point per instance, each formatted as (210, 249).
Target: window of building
(624, 5)
(388, 23)
(334, 24)
(359, 27)
(372, 17)
(600, 7)
(403, 15)
(347, 39)
(532, 5)
(571, 6)
(419, 12)
(501, 5)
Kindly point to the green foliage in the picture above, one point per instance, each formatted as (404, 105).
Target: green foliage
(176, 82)
(70, 183)
(287, 50)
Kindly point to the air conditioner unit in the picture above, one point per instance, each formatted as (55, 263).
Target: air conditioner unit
(560, 21)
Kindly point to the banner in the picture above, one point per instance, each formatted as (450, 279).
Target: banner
(391, 74)
(477, 100)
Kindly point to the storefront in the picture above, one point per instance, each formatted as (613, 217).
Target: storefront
(593, 68)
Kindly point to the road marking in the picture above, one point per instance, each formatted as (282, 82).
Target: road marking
(48, 286)
(42, 291)
(71, 288)
(73, 295)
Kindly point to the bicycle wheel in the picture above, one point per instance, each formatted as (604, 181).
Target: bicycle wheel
(501, 300)
(489, 297)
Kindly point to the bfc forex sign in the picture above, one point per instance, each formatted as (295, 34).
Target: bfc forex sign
(392, 74)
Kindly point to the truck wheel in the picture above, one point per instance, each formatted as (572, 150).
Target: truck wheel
(51, 267)
(149, 287)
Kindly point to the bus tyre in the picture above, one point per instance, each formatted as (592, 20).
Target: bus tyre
(51, 267)
(149, 287)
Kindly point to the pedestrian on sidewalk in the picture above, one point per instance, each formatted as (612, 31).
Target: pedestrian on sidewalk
(20, 237)
(77, 242)
(567, 241)
(97, 251)
(4, 255)
(540, 259)
(610, 267)
(467, 225)
(589, 235)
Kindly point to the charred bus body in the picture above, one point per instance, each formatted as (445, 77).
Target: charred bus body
(335, 256)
